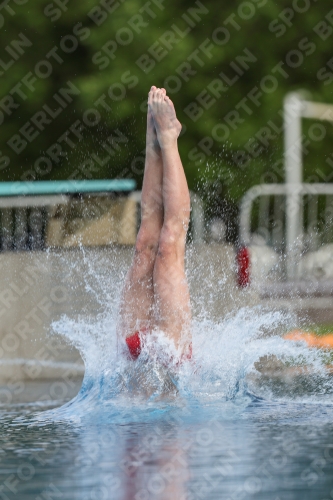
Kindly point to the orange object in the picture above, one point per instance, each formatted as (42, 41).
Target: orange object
(323, 342)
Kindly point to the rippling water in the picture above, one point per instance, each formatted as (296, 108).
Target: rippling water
(263, 450)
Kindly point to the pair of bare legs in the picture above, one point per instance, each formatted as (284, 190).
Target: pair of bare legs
(155, 294)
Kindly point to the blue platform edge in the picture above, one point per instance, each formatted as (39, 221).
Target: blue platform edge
(65, 187)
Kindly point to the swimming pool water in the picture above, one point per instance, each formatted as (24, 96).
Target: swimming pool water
(263, 450)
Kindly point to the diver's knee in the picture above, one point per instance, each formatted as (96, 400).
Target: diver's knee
(169, 250)
(172, 239)
(146, 243)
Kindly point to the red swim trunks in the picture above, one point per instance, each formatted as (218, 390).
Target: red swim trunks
(134, 346)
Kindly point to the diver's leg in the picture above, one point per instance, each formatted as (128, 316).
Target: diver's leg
(138, 294)
(172, 300)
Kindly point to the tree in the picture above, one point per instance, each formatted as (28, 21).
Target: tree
(76, 76)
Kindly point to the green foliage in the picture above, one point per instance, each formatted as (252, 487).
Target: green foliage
(189, 65)
(320, 330)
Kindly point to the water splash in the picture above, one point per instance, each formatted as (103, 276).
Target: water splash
(237, 360)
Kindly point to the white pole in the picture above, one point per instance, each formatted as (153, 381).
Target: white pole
(197, 218)
(293, 167)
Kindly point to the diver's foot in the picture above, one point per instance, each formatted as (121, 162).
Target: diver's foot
(151, 135)
(167, 126)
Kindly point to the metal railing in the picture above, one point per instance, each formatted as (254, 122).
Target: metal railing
(296, 107)
(292, 217)
(264, 211)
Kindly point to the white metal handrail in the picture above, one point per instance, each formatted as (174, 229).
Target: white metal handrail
(274, 190)
(297, 107)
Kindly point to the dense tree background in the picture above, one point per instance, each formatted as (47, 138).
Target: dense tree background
(96, 45)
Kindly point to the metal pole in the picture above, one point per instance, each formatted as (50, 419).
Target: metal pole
(293, 168)
(197, 219)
